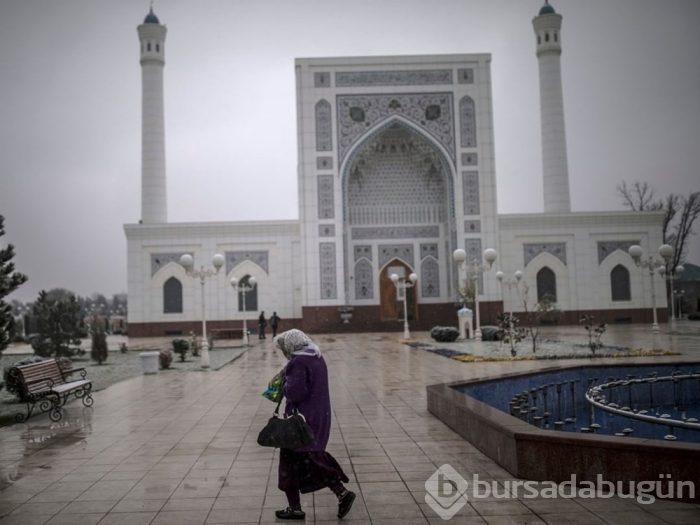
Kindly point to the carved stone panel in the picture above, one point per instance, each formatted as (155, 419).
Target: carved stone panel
(322, 79)
(364, 250)
(465, 76)
(414, 77)
(473, 249)
(364, 282)
(158, 260)
(470, 159)
(324, 163)
(467, 122)
(430, 278)
(605, 248)
(472, 226)
(470, 192)
(324, 126)
(327, 268)
(233, 259)
(428, 250)
(326, 199)
(326, 230)
(430, 111)
(396, 232)
(400, 251)
(558, 249)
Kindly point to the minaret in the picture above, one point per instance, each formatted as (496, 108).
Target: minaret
(154, 204)
(555, 169)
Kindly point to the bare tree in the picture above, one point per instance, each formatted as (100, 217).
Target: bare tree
(638, 197)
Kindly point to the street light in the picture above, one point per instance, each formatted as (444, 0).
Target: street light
(238, 287)
(475, 269)
(674, 275)
(404, 284)
(652, 265)
(509, 282)
(187, 262)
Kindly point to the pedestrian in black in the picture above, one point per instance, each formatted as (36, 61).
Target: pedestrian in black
(274, 323)
(262, 323)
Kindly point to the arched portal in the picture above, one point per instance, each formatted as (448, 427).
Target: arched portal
(398, 196)
(391, 296)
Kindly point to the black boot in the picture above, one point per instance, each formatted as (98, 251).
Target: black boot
(290, 514)
(345, 503)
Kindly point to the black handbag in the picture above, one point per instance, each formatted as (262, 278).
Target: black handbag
(290, 432)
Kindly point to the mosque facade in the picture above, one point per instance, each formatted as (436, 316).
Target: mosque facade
(396, 170)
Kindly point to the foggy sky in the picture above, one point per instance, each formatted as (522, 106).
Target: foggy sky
(70, 121)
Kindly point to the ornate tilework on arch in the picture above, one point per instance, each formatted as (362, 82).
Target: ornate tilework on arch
(467, 122)
(470, 159)
(357, 113)
(430, 278)
(470, 192)
(324, 163)
(428, 249)
(259, 257)
(364, 288)
(326, 230)
(362, 250)
(395, 232)
(158, 260)
(322, 79)
(324, 126)
(472, 226)
(605, 248)
(327, 268)
(326, 202)
(413, 77)
(465, 76)
(558, 249)
(388, 252)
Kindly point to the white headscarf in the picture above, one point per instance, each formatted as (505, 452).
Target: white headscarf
(295, 342)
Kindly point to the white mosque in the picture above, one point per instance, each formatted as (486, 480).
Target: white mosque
(396, 170)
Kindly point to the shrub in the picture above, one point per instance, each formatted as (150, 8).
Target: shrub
(694, 317)
(491, 333)
(99, 347)
(444, 334)
(181, 346)
(166, 358)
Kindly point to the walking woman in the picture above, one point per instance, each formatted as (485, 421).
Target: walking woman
(309, 468)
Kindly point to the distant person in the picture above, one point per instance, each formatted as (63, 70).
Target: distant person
(274, 323)
(262, 323)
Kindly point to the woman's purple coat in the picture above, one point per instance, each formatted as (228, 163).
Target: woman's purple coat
(306, 390)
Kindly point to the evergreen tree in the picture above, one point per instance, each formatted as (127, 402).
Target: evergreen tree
(10, 280)
(58, 325)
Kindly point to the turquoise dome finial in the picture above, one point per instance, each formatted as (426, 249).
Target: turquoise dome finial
(151, 18)
(547, 9)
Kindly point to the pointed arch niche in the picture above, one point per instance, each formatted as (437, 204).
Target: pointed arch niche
(398, 185)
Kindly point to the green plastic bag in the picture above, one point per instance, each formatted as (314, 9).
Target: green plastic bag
(274, 390)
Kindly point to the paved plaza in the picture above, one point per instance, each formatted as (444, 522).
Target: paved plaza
(181, 448)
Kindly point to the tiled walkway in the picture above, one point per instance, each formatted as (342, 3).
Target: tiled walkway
(179, 448)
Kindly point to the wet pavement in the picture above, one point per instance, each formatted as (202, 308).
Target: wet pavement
(181, 449)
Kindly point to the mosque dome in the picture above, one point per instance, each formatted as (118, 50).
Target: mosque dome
(547, 9)
(151, 18)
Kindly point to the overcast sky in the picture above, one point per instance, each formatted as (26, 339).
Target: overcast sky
(70, 110)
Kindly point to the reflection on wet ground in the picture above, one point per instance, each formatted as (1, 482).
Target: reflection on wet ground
(181, 448)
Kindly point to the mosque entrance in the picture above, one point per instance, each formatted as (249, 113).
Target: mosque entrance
(391, 297)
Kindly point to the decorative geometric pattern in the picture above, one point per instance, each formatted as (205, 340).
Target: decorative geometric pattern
(558, 249)
(421, 77)
(158, 260)
(233, 259)
(396, 232)
(472, 226)
(397, 177)
(326, 203)
(473, 249)
(465, 76)
(358, 113)
(364, 250)
(399, 251)
(428, 249)
(324, 163)
(467, 122)
(363, 280)
(470, 159)
(605, 248)
(326, 230)
(327, 270)
(324, 126)
(470, 192)
(430, 278)
(172, 296)
(322, 80)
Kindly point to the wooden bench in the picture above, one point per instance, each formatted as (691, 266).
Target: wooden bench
(227, 333)
(45, 383)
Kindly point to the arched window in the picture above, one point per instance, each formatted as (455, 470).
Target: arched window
(546, 285)
(620, 283)
(148, 46)
(251, 297)
(172, 296)
(546, 37)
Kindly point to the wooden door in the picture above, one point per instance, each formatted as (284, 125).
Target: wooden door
(391, 300)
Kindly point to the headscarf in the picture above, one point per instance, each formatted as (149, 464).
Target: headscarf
(295, 342)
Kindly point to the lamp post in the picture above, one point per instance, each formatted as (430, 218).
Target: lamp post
(652, 265)
(243, 288)
(670, 277)
(404, 284)
(187, 262)
(475, 269)
(509, 282)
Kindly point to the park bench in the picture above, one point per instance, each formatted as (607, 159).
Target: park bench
(227, 333)
(47, 384)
